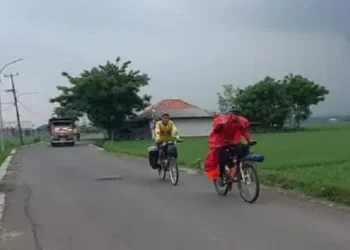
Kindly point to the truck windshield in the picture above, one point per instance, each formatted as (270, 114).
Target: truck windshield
(62, 125)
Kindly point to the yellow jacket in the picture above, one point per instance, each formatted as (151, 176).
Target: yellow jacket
(167, 132)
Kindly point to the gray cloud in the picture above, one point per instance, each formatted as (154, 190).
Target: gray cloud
(189, 48)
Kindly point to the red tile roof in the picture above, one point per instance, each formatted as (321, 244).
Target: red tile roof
(172, 104)
(176, 108)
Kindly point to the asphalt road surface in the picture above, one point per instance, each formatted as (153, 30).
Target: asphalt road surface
(58, 203)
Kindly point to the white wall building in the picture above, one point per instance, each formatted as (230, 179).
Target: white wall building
(190, 120)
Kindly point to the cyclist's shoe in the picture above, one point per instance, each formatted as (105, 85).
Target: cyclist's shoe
(222, 181)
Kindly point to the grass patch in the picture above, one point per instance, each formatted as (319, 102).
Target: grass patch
(315, 161)
(12, 143)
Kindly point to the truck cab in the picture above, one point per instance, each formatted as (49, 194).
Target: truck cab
(62, 131)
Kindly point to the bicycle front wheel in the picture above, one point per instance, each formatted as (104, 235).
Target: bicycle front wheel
(162, 172)
(173, 171)
(248, 183)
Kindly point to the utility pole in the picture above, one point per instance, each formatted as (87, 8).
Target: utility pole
(13, 90)
(1, 118)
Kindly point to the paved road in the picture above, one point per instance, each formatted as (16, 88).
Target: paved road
(57, 204)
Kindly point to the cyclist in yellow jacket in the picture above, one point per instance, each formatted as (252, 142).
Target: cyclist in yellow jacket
(165, 131)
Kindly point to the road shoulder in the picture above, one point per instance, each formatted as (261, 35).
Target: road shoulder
(3, 170)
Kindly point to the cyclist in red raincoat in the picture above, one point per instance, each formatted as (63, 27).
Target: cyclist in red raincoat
(227, 130)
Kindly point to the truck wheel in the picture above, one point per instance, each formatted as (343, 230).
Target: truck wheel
(53, 145)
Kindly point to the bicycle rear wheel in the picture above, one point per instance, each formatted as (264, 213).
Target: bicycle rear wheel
(173, 171)
(221, 189)
(246, 178)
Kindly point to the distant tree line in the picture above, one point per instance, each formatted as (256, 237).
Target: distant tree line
(275, 103)
(109, 95)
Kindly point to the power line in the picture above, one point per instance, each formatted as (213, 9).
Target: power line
(26, 108)
(8, 108)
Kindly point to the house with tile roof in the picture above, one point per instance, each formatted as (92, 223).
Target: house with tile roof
(190, 120)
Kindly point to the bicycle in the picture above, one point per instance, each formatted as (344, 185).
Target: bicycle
(169, 162)
(242, 174)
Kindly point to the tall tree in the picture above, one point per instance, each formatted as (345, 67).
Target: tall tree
(108, 94)
(302, 94)
(67, 112)
(226, 98)
(265, 102)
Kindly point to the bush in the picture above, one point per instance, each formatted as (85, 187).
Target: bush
(37, 139)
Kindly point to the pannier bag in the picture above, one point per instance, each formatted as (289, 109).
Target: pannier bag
(153, 156)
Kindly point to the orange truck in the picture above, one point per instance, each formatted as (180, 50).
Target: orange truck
(62, 131)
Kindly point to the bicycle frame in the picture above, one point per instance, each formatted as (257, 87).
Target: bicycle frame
(250, 157)
(165, 155)
(241, 172)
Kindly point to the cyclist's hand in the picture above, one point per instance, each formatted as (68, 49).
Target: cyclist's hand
(253, 142)
(179, 140)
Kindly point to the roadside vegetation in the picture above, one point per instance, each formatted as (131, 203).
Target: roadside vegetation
(12, 143)
(315, 161)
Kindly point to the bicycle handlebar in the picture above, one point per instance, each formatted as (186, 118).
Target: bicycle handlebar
(252, 143)
(172, 142)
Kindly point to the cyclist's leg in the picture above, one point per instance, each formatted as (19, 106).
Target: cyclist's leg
(171, 150)
(160, 152)
(241, 151)
(223, 159)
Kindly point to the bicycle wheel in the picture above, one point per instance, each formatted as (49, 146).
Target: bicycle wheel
(173, 171)
(246, 178)
(162, 171)
(221, 189)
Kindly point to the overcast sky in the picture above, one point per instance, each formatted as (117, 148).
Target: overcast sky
(188, 47)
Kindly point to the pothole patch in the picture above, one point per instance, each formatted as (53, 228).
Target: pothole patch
(10, 172)
(14, 165)
(111, 178)
(5, 188)
(10, 235)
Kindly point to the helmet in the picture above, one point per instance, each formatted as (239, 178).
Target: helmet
(235, 110)
(165, 114)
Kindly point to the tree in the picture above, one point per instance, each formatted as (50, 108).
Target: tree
(108, 94)
(302, 93)
(67, 112)
(67, 106)
(226, 99)
(265, 102)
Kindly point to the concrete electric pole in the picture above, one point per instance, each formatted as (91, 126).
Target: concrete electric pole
(13, 90)
(1, 118)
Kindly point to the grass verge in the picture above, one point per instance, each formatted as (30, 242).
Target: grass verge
(12, 143)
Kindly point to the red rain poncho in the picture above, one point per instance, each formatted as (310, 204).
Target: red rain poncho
(225, 130)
